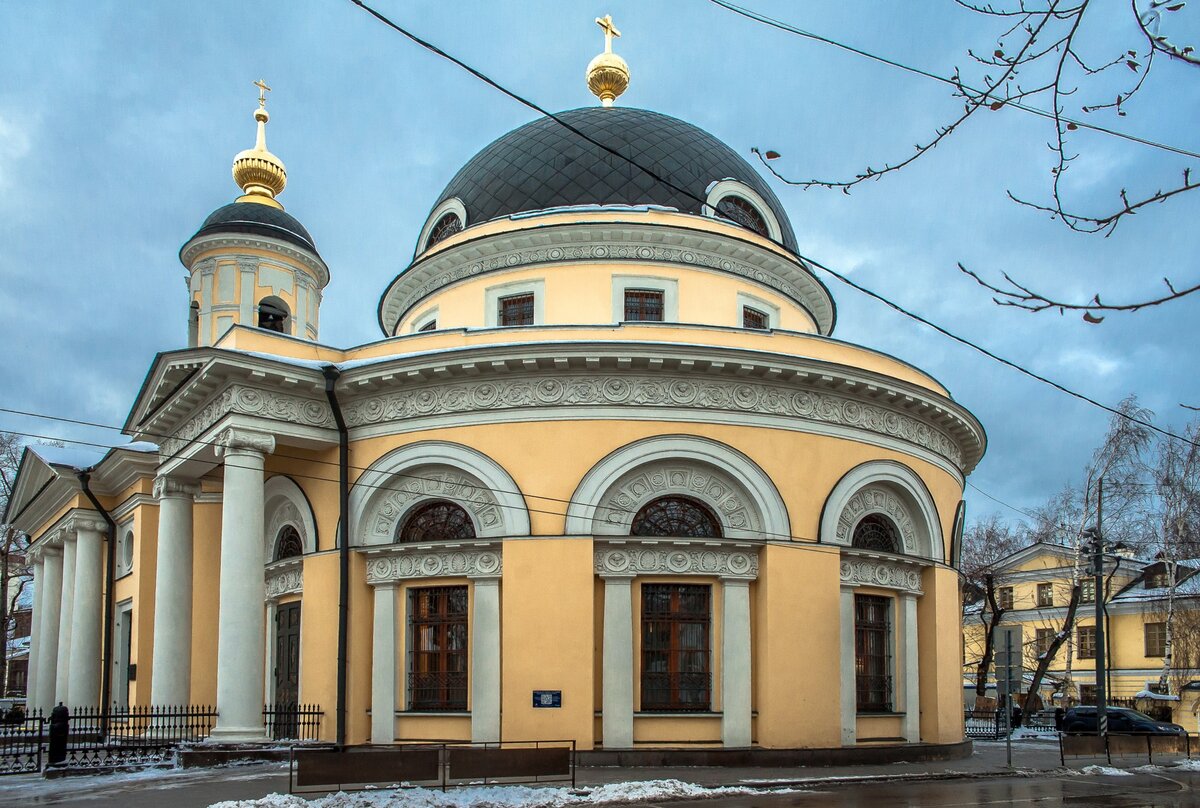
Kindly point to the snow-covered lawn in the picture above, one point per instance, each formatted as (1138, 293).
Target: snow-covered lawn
(1107, 771)
(502, 796)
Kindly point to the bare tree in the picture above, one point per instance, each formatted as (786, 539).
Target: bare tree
(985, 545)
(15, 574)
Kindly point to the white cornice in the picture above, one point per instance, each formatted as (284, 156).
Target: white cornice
(603, 241)
(127, 507)
(241, 241)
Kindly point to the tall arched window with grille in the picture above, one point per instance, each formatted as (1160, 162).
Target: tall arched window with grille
(676, 516)
(288, 543)
(876, 532)
(436, 521)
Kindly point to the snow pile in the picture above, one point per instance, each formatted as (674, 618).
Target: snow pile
(502, 796)
(1107, 771)
(1187, 766)
(1146, 694)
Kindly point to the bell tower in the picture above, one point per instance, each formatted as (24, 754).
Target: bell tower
(252, 263)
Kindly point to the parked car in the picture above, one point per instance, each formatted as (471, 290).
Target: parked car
(1121, 721)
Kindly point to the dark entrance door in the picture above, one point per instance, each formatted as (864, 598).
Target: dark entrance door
(287, 670)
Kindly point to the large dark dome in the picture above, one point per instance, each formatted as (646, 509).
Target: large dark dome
(545, 165)
(262, 220)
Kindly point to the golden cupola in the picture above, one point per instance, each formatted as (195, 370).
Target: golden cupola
(607, 74)
(260, 174)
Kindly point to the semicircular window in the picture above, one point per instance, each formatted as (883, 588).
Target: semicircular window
(876, 532)
(675, 516)
(744, 213)
(446, 227)
(288, 543)
(436, 521)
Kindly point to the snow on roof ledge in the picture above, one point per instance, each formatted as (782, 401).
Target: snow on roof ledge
(1146, 694)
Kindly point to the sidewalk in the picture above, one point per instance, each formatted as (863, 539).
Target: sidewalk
(199, 788)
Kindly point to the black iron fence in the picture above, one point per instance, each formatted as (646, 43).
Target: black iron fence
(121, 736)
(293, 722)
(983, 725)
(21, 738)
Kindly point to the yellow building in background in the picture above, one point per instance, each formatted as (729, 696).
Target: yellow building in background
(606, 477)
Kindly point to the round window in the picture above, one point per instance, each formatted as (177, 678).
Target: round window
(127, 551)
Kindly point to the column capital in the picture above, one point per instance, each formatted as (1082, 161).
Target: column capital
(240, 441)
(175, 487)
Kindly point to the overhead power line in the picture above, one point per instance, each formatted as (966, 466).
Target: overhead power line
(1082, 124)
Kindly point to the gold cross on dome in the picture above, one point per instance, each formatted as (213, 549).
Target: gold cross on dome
(610, 31)
(263, 89)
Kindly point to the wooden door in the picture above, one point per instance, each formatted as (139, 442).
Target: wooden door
(287, 669)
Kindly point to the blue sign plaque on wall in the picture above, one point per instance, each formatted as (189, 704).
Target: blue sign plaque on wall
(547, 698)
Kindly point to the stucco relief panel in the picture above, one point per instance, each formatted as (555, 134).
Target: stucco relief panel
(470, 563)
(886, 574)
(708, 487)
(286, 579)
(876, 499)
(429, 483)
(675, 560)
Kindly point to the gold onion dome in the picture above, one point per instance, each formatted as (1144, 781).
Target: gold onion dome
(260, 174)
(607, 74)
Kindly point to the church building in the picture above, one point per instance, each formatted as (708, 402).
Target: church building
(606, 476)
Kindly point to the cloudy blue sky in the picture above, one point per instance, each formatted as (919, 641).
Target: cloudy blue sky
(118, 123)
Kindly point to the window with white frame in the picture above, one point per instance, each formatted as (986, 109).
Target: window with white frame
(645, 298)
(756, 313)
(514, 304)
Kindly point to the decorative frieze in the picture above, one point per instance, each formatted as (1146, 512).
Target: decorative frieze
(674, 559)
(876, 499)
(718, 492)
(882, 573)
(242, 400)
(285, 578)
(404, 563)
(431, 483)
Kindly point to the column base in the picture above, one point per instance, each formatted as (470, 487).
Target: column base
(225, 735)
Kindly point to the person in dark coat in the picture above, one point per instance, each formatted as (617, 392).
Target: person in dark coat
(60, 727)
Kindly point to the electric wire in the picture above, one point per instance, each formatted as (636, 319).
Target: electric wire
(803, 260)
(789, 28)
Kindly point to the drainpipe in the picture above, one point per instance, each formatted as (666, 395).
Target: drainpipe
(332, 374)
(110, 564)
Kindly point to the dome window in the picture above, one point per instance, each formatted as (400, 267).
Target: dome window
(676, 516)
(446, 227)
(273, 315)
(744, 213)
(436, 521)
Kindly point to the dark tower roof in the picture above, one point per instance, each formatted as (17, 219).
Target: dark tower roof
(261, 220)
(545, 165)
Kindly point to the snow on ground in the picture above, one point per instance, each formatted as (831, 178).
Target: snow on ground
(501, 796)
(1190, 765)
(1107, 771)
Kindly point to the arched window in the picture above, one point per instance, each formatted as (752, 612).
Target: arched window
(273, 315)
(876, 532)
(288, 543)
(446, 227)
(744, 213)
(436, 521)
(675, 516)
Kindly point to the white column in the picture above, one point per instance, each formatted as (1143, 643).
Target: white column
(86, 613)
(383, 665)
(912, 679)
(62, 675)
(240, 620)
(485, 661)
(735, 662)
(51, 604)
(849, 680)
(35, 633)
(617, 694)
(171, 665)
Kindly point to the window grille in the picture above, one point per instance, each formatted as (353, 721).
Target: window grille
(676, 623)
(436, 521)
(644, 305)
(516, 310)
(1156, 639)
(438, 659)
(872, 653)
(753, 318)
(876, 532)
(429, 326)
(288, 543)
(446, 227)
(675, 516)
(744, 213)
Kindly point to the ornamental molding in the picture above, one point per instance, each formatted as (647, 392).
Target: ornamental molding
(876, 499)
(175, 487)
(240, 399)
(663, 390)
(284, 578)
(235, 244)
(675, 557)
(712, 487)
(430, 483)
(609, 242)
(236, 440)
(77, 523)
(402, 563)
(881, 572)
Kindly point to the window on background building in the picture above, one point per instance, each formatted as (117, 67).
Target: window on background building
(288, 543)
(744, 213)
(516, 310)
(446, 227)
(1087, 590)
(644, 305)
(429, 326)
(1045, 595)
(872, 653)
(1042, 640)
(1158, 579)
(1004, 597)
(676, 623)
(437, 620)
(753, 318)
(1087, 694)
(876, 532)
(436, 521)
(1156, 639)
(1086, 636)
(675, 516)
